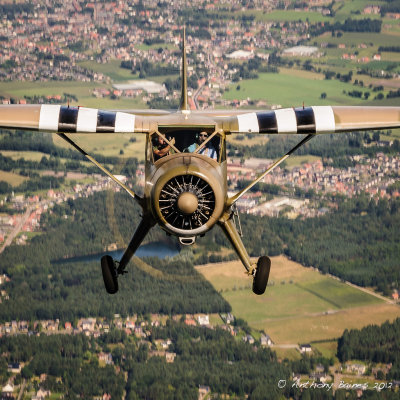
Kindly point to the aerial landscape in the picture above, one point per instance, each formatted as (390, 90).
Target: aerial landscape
(185, 323)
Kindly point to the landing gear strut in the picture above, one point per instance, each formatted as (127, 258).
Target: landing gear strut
(109, 266)
(262, 274)
(110, 273)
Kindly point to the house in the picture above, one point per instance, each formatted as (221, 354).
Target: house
(319, 376)
(14, 368)
(203, 391)
(88, 324)
(106, 357)
(229, 318)
(358, 369)
(130, 324)
(166, 343)
(266, 340)
(248, 339)
(190, 322)
(68, 326)
(41, 394)
(7, 391)
(305, 348)
(170, 357)
(203, 320)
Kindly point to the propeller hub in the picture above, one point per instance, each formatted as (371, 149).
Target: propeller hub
(187, 203)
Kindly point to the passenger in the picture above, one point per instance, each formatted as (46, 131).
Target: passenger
(207, 150)
(161, 148)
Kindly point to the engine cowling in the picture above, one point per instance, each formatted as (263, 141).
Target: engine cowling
(188, 195)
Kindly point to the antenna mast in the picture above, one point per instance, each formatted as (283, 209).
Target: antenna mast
(184, 98)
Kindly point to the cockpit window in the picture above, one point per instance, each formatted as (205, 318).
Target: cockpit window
(200, 141)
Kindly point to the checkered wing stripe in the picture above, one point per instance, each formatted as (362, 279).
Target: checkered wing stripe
(289, 120)
(81, 119)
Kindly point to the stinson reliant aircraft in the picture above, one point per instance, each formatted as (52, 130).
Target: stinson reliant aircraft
(186, 169)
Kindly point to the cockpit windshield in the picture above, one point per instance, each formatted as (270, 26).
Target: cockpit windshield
(206, 142)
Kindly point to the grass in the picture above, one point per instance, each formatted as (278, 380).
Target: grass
(291, 15)
(288, 90)
(291, 354)
(327, 349)
(156, 46)
(108, 144)
(254, 140)
(296, 161)
(348, 8)
(11, 178)
(35, 156)
(301, 306)
(353, 39)
(27, 155)
(112, 69)
(82, 90)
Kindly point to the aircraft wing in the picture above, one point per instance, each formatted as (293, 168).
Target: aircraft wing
(308, 120)
(318, 119)
(56, 118)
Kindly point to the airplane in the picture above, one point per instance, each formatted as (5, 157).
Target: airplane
(185, 160)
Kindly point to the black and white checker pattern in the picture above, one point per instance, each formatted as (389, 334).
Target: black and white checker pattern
(64, 119)
(319, 119)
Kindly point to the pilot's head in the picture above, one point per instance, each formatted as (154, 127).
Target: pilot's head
(202, 137)
(158, 141)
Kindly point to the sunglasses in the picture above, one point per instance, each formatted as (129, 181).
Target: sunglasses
(203, 135)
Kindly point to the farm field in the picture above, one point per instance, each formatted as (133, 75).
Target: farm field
(12, 178)
(290, 15)
(82, 90)
(301, 305)
(287, 90)
(112, 69)
(296, 161)
(27, 155)
(108, 145)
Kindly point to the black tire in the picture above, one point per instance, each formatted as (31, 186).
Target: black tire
(109, 274)
(262, 274)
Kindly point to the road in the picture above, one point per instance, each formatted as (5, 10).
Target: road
(17, 228)
(21, 392)
(21, 223)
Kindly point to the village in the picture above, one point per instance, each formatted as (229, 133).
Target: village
(371, 176)
(140, 328)
(37, 46)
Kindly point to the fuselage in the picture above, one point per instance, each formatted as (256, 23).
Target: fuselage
(185, 191)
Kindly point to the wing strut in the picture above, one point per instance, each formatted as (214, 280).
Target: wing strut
(106, 171)
(238, 195)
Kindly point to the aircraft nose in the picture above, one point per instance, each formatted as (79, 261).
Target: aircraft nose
(187, 203)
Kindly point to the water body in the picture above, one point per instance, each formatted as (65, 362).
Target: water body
(155, 249)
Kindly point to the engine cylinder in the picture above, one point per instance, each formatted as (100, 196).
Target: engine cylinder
(187, 195)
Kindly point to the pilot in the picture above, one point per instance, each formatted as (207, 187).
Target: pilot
(207, 150)
(161, 148)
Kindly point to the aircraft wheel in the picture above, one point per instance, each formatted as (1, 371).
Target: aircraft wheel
(109, 274)
(262, 274)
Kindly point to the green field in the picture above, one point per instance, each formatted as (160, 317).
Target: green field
(353, 39)
(290, 90)
(27, 155)
(290, 15)
(349, 8)
(296, 161)
(108, 145)
(112, 69)
(82, 90)
(156, 46)
(301, 305)
(11, 178)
